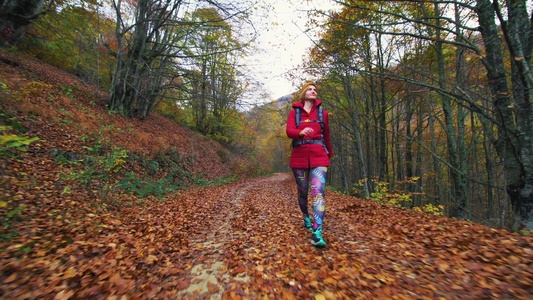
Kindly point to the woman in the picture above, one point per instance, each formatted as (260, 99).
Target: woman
(310, 156)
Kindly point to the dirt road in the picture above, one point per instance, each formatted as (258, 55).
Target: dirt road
(253, 245)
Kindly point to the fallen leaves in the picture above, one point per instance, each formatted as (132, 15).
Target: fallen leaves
(240, 241)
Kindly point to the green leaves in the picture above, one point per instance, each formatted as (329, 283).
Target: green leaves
(10, 142)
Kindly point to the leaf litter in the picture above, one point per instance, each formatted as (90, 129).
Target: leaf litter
(243, 240)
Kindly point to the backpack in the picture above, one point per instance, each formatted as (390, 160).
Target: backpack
(320, 115)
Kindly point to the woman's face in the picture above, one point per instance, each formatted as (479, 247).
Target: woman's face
(311, 93)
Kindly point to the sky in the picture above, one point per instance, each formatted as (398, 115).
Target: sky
(282, 45)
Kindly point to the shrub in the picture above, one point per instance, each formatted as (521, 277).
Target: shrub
(383, 195)
(431, 209)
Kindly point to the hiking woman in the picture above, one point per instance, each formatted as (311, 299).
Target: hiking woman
(308, 128)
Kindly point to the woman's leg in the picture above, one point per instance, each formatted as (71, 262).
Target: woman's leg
(318, 183)
(302, 180)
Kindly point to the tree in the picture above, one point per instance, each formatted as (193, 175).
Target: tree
(16, 18)
(212, 69)
(145, 48)
(454, 131)
(507, 64)
(514, 111)
(153, 50)
(71, 39)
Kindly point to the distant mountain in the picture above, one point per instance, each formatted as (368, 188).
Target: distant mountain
(283, 101)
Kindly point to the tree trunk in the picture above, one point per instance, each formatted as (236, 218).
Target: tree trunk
(436, 163)
(370, 132)
(459, 207)
(409, 142)
(382, 115)
(356, 127)
(515, 131)
(16, 18)
(418, 172)
(460, 75)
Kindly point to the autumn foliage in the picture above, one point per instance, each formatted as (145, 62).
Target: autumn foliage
(242, 240)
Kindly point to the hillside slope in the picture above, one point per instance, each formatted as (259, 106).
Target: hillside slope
(87, 160)
(59, 108)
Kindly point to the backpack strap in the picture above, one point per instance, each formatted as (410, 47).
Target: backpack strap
(298, 118)
(320, 115)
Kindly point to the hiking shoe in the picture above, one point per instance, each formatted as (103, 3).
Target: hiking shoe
(316, 238)
(307, 223)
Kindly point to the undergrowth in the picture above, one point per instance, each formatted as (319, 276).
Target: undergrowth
(384, 195)
(10, 145)
(107, 172)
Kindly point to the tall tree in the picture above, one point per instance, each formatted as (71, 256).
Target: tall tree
(212, 65)
(509, 110)
(144, 48)
(151, 50)
(454, 131)
(71, 38)
(514, 110)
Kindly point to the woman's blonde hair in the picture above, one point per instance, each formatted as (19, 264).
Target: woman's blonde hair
(304, 89)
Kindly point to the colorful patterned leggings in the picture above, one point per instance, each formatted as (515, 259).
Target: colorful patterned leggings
(318, 182)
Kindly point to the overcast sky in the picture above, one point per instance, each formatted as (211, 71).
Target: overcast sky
(282, 44)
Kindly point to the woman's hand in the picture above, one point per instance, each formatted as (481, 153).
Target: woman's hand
(306, 132)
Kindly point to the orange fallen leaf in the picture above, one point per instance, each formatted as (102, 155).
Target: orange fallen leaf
(70, 273)
(11, 278)
(183, 283)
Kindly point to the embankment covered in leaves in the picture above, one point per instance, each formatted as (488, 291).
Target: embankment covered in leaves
(70, 116)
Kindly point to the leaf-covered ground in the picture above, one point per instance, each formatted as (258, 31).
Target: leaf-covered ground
(246, 240)
(241, 240)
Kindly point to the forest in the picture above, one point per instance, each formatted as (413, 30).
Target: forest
(431, 101)
(125, 120)
(431, 104)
